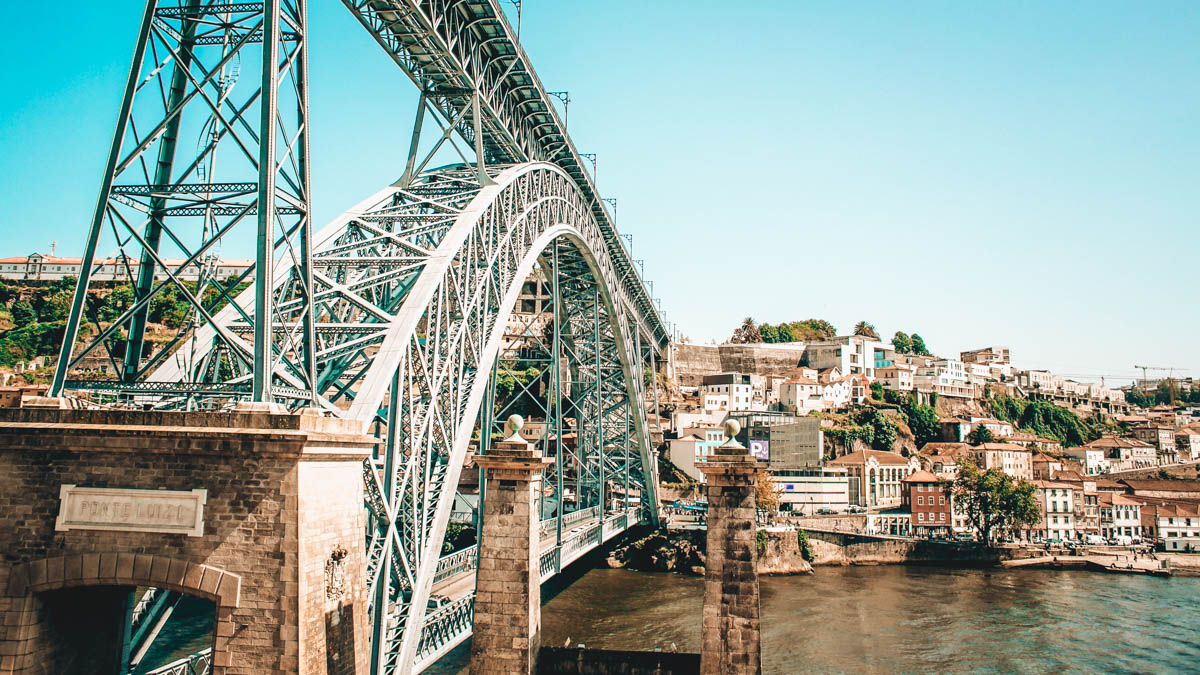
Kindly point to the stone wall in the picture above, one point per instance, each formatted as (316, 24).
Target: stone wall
(844, 523)
(839, 548)
(693, 362)
(279, 496)
(780, 553)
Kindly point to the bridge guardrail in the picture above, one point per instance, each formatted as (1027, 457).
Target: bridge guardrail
(450, 625)
(446, 627)
(456, 563)
(199, 663)
(581, 515)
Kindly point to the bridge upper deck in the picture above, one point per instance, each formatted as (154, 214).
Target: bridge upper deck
(453, 48)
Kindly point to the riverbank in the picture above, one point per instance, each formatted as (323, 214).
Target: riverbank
(783, 551)
(682, 552)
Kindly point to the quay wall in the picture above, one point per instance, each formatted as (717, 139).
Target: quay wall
(843, 548)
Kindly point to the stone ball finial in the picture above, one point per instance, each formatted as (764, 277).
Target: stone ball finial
(732, 428)
(515, 424)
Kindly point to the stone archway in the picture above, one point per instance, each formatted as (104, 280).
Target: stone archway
(34, 610)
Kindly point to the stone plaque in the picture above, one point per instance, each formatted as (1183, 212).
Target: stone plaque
(131, 510)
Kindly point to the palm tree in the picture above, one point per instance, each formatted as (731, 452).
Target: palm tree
(746, 333)
(866, 329)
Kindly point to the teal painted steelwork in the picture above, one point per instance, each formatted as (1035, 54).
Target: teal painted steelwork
(393, 314)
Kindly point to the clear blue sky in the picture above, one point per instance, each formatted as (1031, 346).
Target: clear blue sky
(1020, 173)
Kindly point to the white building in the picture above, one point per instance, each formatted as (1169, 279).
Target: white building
(1036, 379)
(40, 267)
(728, 392)
(1177, 525)
(810, 490)
(1124, 454)
(850, 354)
(895, 378)
(1057, 504)
(801, 395)
(1011, 459)
(835, 388)
(693, 447)
(1120, 515)
(1187, 444)
(944, 377)
(1093, 459)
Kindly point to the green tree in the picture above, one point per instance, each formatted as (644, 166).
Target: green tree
(923, 420)
(1136, 397)
(56, 306)
(768, 332)
(747, 333)
(785, 333)
(877, 391)
(116, 302)
(866, 329)
(902, 343)
(993, 501)
(884, 437)
(811, 330)
(458, 537)
(980, 435)
(22, 313)
(918, 346)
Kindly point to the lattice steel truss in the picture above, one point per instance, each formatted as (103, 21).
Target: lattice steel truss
(396, 312)
(165, 212)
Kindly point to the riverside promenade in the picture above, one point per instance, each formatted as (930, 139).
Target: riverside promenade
(1121, 564)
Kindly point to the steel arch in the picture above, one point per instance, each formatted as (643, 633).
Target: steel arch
(413, 289)
(490, 250)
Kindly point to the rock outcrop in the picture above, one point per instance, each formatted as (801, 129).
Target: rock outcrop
(682, 551)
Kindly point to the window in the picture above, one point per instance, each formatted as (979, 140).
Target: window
(920, 501)
(921, 516)
(941, 501)
(942, 516)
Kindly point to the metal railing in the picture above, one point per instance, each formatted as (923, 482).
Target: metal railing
(580, 515)
(199, 663)
(445, 628)
(548, 564)
(456, 563)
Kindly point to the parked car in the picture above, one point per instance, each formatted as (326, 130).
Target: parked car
(855, 508)
(826, 511)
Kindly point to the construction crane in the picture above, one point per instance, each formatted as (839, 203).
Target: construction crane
(1170, 370)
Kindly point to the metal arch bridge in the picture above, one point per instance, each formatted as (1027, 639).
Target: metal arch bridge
(400, 312)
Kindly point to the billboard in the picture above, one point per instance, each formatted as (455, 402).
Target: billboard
(760, 449)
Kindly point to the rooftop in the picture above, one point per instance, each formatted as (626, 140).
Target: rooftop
(861, 457)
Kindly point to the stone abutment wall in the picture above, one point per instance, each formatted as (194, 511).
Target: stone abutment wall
(283, 498)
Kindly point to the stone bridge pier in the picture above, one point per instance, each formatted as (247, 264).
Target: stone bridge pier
(258, 512)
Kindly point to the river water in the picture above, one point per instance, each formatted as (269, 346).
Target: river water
(903, 619)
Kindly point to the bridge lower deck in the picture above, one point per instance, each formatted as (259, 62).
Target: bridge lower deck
(450, 625)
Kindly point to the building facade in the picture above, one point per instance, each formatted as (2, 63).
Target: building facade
(876, 477)
(929, 503)
(1006, 457)
(1056, 502)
